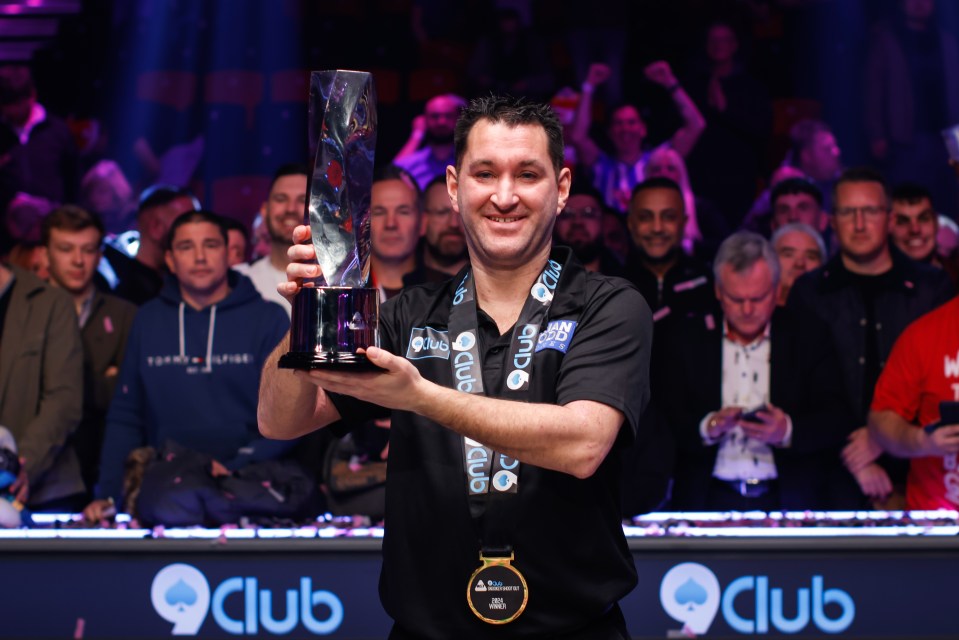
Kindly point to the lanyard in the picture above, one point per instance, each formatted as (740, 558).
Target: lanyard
(492, 476)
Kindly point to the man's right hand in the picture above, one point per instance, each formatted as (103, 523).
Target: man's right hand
(943, 441)
(598, 74)
(302, 263)
(99, 510)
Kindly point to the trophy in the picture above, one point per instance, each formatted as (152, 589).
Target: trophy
(336, 314)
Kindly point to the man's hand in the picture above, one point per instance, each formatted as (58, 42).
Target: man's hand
(99, 510)
(661, 73)
(302, 263)
(20, 489)
(598, 74)
(384, 423)
(722, 421)
(771, 427)
(418, 129)
(399, 386)
(943, 441)
(217, 470)
(861, 450)
(874, 481)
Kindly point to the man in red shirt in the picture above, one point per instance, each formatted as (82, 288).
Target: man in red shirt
(922, 371)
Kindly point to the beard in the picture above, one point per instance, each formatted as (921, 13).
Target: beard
(432, 138)
(584, 248)
(450, 255)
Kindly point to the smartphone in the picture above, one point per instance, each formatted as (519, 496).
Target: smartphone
(948, 414)
(753, 414)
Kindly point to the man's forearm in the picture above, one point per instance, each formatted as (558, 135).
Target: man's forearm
(896, 436)
(573, 439)
(289, 405)
(693, 122)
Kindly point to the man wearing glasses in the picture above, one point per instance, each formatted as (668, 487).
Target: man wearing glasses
(580, 227)
(867, 294)
(443, 244)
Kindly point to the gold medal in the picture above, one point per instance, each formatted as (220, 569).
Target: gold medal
(497, 591)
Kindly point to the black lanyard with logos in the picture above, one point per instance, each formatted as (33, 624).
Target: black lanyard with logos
(496, 592)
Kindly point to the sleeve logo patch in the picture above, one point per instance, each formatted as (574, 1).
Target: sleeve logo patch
(558, 335)
(426, 342)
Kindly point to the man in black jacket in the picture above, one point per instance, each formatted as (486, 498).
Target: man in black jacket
(671, 281)
(753, 397)
(867, 294)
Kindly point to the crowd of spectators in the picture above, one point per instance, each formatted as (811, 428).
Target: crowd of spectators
(129, 362)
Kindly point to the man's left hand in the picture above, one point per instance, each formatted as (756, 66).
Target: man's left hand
(861, 450)
(661, 73)
(398, 386)
(770, 427)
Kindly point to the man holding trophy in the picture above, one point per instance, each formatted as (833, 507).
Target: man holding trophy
(511, 388)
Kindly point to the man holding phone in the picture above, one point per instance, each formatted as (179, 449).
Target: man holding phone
(754, 399)
(920, 386)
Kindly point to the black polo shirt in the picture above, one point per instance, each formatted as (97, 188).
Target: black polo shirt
(569, 542)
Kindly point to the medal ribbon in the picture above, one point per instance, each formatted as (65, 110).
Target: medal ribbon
(491, 477)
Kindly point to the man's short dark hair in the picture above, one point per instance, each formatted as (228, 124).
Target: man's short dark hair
(582, 187)
(512, 112)
(794, 186)
(392, 172)
(232, 224)
(160, 195)
(290, 169)
(440, 179)
(70, 218)
(910, 193)
(659, 182)
(860, 174)
(16, 84)
(200, 215)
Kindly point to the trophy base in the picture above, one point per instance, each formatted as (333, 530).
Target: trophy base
(340, 362)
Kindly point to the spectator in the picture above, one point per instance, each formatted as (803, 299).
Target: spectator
(395, 228)
(757, 218)
(705, 225)
(72, 239)
(580, 227)
(203, 341)
(867, 295)
(911, 94)
(44, 161)
(797, 200)
(922, 372)
(816, 154)
(141, 279)
(800, 249)
(41, 392)
(433, 129)
(106, 192)
(755, 400)
(728, 157)
(616, 175)
(238, 241)
(915, 224)
(671, 281)
(443, 243)
(284, 208)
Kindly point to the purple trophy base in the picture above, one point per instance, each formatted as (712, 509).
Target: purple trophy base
(329, 325)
